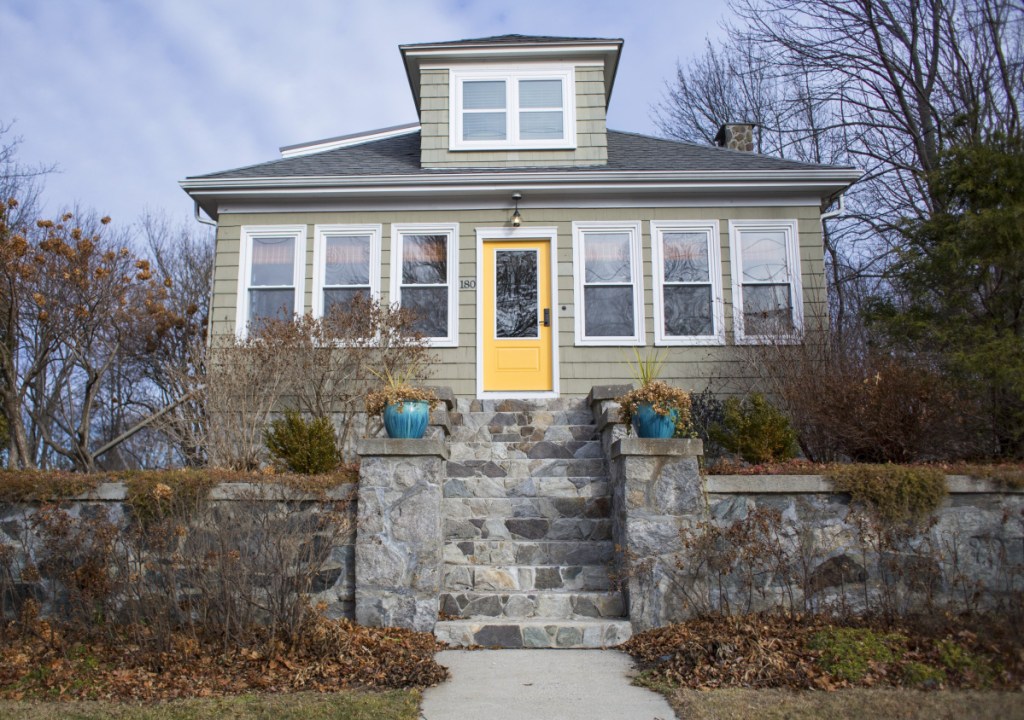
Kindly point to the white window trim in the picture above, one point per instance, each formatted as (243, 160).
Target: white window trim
(320, 234)
(639, 337)
(247, 233)
(398, 230)
(511, 74)
(711, 227)
(789, 227)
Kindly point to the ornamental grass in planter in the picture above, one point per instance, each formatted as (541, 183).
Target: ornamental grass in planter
(655, 409)
(404, 408)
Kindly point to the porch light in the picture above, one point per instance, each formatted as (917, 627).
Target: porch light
(517, 219)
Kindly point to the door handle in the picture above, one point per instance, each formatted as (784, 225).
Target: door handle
(547, 317)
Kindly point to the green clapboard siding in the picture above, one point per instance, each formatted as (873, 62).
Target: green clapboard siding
(580, 367)
(591, 138)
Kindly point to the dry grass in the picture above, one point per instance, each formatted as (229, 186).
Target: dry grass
(730, 703)
(345, 705)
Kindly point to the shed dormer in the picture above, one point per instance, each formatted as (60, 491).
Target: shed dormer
(513, 100)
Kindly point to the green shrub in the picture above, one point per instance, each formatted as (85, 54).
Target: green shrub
(755, 430)
(920, 675)
(303, 446)
(894, 493)
(847, 653)
(958, 659)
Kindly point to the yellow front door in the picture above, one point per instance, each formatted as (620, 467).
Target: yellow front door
(517, 333)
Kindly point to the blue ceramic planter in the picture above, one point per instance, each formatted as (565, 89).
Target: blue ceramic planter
(649, 424)
(407, 419)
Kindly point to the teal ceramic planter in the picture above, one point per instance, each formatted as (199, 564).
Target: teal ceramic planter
(407, 419)
(649, 424)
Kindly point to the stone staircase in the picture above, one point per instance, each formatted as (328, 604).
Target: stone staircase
(528, 537)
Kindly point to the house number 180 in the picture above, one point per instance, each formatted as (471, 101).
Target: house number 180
(467, 284)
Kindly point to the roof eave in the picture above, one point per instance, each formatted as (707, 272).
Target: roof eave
(823, 182)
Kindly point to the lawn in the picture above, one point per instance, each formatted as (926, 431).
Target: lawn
(344, 705)
(730, 703)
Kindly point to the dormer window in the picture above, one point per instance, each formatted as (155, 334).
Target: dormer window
(512, 108)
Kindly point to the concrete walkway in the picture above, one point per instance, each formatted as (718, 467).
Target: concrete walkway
(541, 684)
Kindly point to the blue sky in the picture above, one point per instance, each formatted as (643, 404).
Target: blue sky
(128, 97)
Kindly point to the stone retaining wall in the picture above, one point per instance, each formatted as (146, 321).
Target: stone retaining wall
(22, 543)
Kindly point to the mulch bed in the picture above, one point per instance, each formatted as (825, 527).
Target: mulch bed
(333, 654)
(779, 651)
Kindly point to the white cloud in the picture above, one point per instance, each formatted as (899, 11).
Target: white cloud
(131, 97)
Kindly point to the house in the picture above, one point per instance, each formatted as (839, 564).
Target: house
(536, 245)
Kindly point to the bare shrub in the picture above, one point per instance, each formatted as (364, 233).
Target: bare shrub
(318, 367)
(849, 400)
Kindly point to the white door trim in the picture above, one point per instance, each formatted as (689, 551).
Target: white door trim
(484, 235)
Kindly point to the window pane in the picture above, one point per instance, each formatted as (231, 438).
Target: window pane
(348, 260)
(609, 311)
(430, 306)
(483, 95)
(767, 310)
(425, 259)
(688, 310)
(483, 126)
(685, 256)
(764, 256)
(516, 303)
(341, 297)
(271, 304)
(540, 125)
(540, 93)
(273, 261)
(607, 258)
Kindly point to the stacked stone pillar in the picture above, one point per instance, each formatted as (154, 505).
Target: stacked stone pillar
(656, 492)
(399, 532)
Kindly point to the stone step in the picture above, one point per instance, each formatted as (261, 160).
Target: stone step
(479, 430)
(505, 528)
(524, 578)
(515, 552)
(537, 418)
(495, 449)
(536, 633)
(519, 467)
(526, 507)
(506, 487)
(545, 604)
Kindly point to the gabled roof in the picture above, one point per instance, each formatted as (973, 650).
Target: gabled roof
(516, 40)
(626, 152)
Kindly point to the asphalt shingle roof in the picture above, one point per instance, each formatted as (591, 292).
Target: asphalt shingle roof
(514, 40)
(401, 156)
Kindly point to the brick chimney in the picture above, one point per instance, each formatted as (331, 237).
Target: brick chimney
(737, 136)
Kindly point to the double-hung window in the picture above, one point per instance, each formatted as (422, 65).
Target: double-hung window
(766, 289)
(512, 108)
(688, 304)
(346, 263)
(272, 270)
(608, 271)
(424, 278)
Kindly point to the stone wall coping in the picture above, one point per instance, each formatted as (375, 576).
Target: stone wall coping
(608, 413)
(394, 446)
(118, 492)
(677, 447)
(795, 484)
(440, 418)
(444, 395)
(607, 392)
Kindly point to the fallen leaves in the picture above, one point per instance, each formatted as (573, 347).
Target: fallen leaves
(332, 654)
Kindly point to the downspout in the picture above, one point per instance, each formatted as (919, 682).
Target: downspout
(824, 216)
(213, 223)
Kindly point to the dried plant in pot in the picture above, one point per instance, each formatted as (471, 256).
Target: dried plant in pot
(404, 408)
(655, 409)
